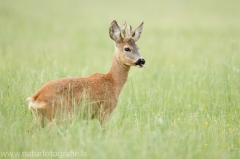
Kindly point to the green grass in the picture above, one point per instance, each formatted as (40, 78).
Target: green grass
(191, 83)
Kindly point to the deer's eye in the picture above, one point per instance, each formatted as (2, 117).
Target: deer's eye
(127, 49)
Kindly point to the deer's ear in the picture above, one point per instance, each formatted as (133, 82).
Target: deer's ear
(137, 32)
(115, 32)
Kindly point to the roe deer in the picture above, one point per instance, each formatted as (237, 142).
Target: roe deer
(102, 90)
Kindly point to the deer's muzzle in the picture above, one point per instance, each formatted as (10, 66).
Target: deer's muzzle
(140, 63)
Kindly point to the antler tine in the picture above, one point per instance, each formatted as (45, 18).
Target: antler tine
(130, 29)
(123, 29)
(124, 25)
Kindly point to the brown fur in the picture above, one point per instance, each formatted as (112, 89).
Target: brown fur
(62, 96)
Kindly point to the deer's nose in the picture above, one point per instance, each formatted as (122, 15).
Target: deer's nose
(140, 62)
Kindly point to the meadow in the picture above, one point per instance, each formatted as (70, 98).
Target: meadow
(184, 105)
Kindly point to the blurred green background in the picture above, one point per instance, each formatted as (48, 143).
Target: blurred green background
(185, 104)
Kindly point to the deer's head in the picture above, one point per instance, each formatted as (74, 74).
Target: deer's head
(125, 44)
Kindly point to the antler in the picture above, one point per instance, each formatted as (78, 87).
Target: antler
(123, 29)
(130, 30)
(125, 25)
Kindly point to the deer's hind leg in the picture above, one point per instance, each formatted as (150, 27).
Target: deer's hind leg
(38, 119)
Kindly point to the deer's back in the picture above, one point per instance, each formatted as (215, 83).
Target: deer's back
(66, 91)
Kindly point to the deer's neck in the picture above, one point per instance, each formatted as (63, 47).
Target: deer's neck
(118, 73)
